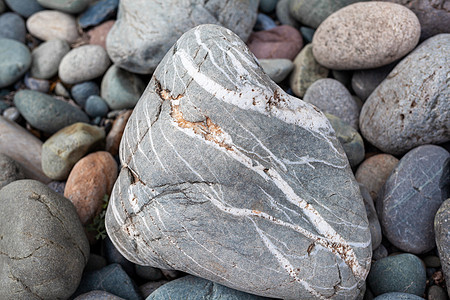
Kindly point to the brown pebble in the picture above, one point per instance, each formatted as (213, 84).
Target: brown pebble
(99, 33)
(115, 135)
(90, 179)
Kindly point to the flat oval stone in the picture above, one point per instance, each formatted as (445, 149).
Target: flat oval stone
(25, 8)
(96, 106)
(15, 59)
(403, 273)
(410, 107)
(177, 204)
(442, 231)
(280, 42)
(191, 286)
(23, 147)
(340, 42)
(140, 51)
(332, 97)
(277, 69)
(47, 113)
(412, 195)
(397, 296)
(51, 24)
(374, 171)
(11, 170)
(121, 89)
(98, 13)
(55, 243)
(67, 146)
(82, 91)
(313, 12)
(47, 57)
(83, 63)
(68, 6)
(306, 71)
(12, 26)
(90, 180)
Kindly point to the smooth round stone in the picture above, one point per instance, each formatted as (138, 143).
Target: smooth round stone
(442, 231)
(374, 171)
(23, 147)
(111, 279)
(65, 148)
(12, 26)
(313, 12)
(433, 16)
(412, 195)
(280, 42)
(44, 238)
(432, 261)
(374, 224)
(50, 24)
(277, 69)
(402, 273)
(307, 33)
(68, 6)
(35, 84)
(330, 96)
(15, 59)
(98, 34)
(140, 51)
(95, 295)
(99, 12)
(364, 82)
(83, 63)
(12, 114)
(82, 91)
(11, 170)
(47, 113)
(284, 15)
(90, 180)
(350, 140)
(25, 8)
(115, 134)
(398, 296)
(435, 292)
(264, 22)
(267, 6)
(380, 252)
(340, 42)
(47, 57)
(121, 89)
(192, 287)
(96, 106)
(60, 90)
(410, 107)
(306, 71)
(148, 273)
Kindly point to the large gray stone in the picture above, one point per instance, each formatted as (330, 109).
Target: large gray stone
(227, 177)
(411, 196)
(442, 231)
(68, 6)
(43, 248)
(145, 30)
(410, 107)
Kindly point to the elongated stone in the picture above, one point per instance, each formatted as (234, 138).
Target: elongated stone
(222, 177)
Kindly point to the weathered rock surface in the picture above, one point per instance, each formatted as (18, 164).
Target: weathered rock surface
(411, 196)
(137, 43)
(43, 248)
(410, 107)
(204, 121)
(442, 231)
(346, 40)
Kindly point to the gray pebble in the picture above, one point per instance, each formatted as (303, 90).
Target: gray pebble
(68, 6)
(284, 15)
(82, 91)
(277, 69)
(96, 106)
(364, 82)
(60, 90)
(47, 57)
(435, 292)
(374, 224)
(10, 170)
(12, 26)
(35, 84)
(15, 59)
(25, 8)
(380, 252)
(12, 114)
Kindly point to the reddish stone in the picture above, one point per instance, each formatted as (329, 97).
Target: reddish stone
(280, 42)
(99, 33)
(90, 179)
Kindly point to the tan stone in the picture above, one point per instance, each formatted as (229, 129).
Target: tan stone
(374, 171)
(366, 35)
(115, 135)
(23, 147)
(90, 179)
(52, 24)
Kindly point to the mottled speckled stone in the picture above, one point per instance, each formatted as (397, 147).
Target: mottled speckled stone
(206, 127)
(412, 195)
(306, 71)
(403, 273)
(410, 107)
(340, 42)
(442, 231)
(140, 51)
(44, 239)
